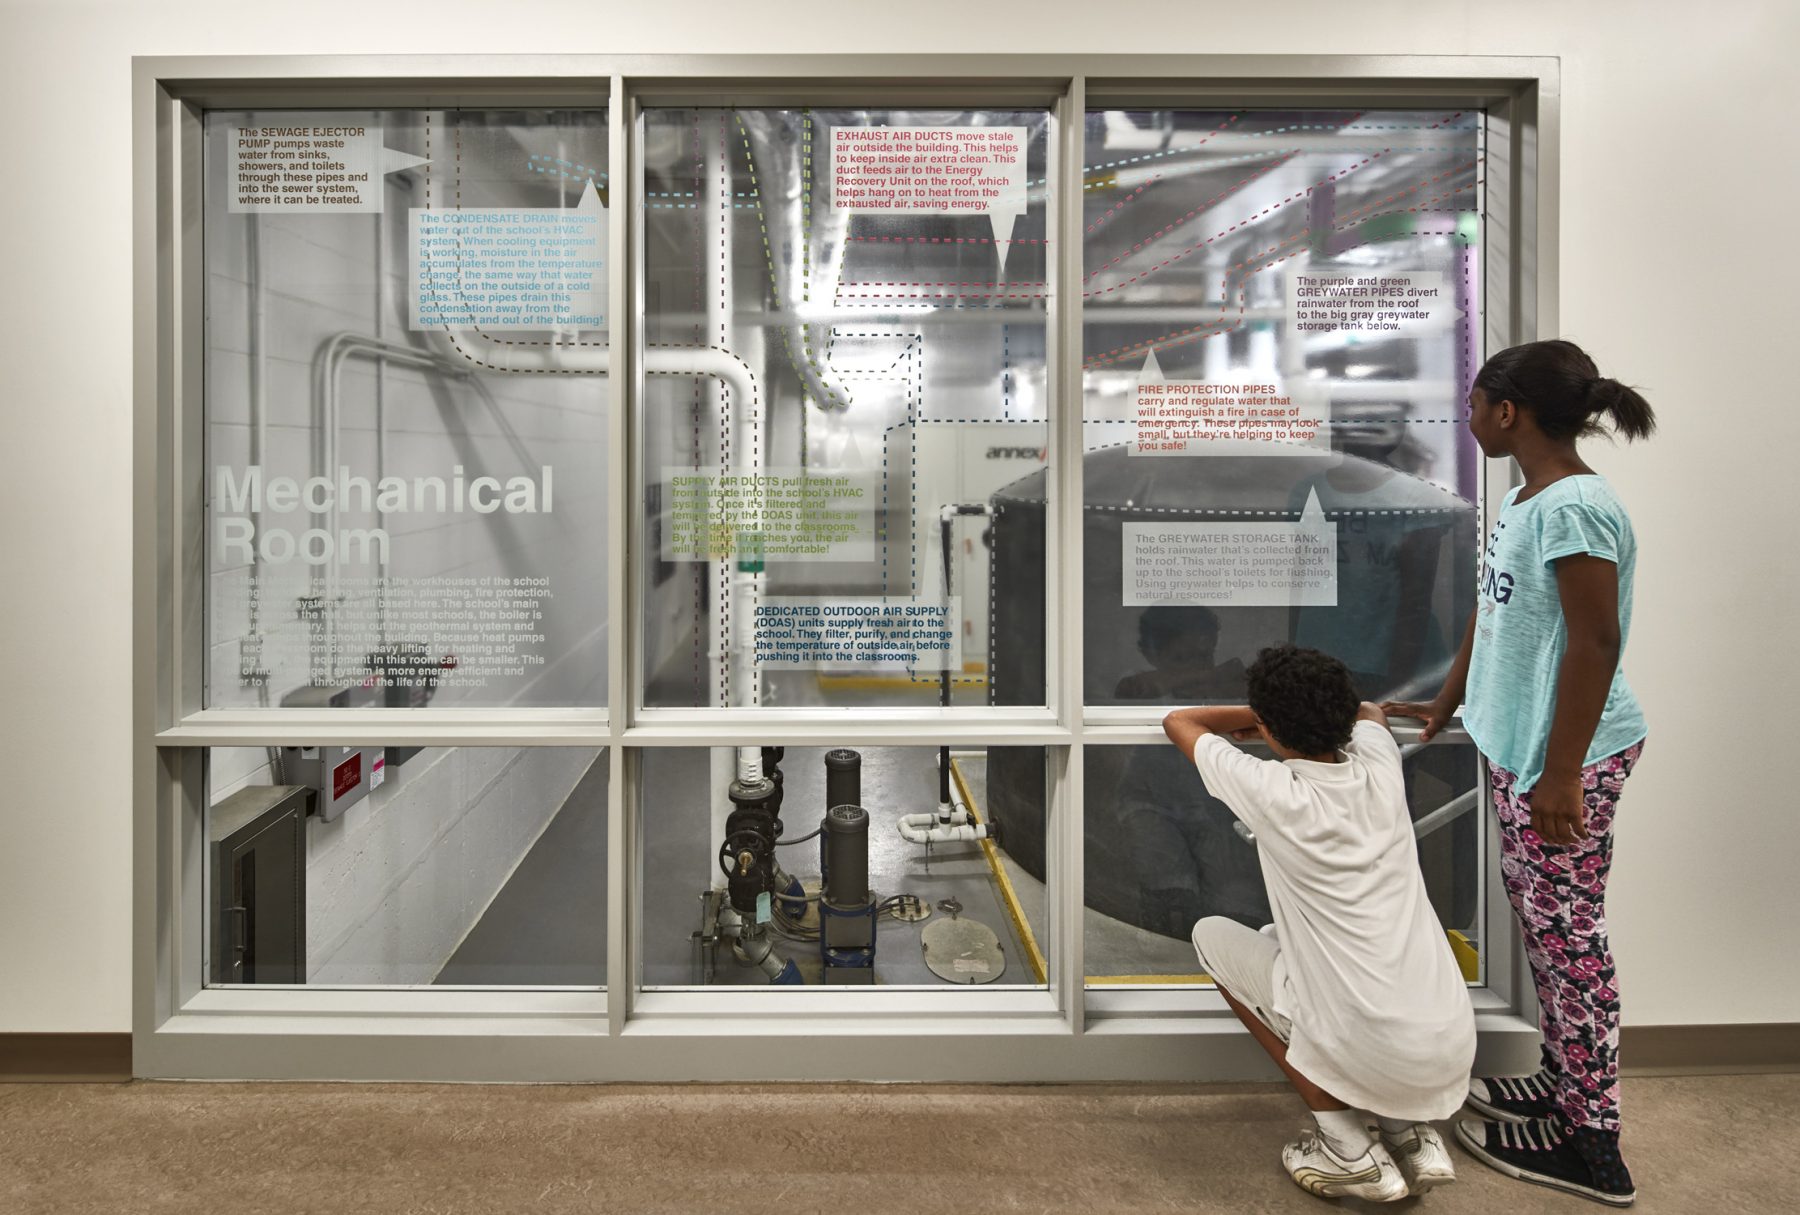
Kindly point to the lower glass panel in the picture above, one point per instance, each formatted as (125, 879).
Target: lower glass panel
(1162, 853)
(737, 884)
(405, 866)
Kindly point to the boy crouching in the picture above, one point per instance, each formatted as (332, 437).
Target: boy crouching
(1353, 990)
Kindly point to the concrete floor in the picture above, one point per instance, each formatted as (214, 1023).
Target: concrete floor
(1718, 1145)
(547, 925)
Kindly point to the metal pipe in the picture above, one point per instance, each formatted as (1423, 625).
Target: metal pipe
(847, 856)
(843, 778)
(1453, 809)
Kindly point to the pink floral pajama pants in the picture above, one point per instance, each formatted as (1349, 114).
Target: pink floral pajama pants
(1559, 895)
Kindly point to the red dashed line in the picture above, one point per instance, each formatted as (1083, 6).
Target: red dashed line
(940, 295)
(1242, 223)
(1183, 336)
(1171, 260)
(1132, 347)
(1101, 222)
(1413, 189)
(1366, 161)
(946, 240)
(871, 282)
(1213, 201)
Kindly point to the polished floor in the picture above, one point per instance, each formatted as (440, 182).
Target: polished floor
(1716, 1145)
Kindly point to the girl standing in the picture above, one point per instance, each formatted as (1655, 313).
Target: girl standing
(1545, 701)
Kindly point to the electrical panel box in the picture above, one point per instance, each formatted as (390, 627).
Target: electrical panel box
(257, 890)
(340, 776)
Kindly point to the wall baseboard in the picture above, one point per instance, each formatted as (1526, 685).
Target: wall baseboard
(65, 1058)
(1648, 1050)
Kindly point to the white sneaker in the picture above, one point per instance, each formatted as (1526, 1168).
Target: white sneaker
(1422, 1157)
(1320, 1171)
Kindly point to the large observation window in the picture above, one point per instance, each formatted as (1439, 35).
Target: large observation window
(1282, 315)
(844, 347)
(383, 866)
(854, 879)
(406, 407)
(701, 560)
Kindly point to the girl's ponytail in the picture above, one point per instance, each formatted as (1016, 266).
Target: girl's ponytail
(1560, 385)
(1630, 413)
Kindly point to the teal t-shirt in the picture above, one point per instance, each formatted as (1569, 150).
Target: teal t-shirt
(1520, 636)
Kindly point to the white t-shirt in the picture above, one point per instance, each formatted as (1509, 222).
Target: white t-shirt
(1381, 1014)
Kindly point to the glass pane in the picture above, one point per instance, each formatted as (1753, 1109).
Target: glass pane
(405, 408)
(1163, 853)
(1282, 317)
(844, 418)
(402, 867)
(912, 888)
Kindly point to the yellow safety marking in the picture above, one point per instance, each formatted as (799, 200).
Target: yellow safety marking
(1468, 958)
(1033, 954)
(1147, 980)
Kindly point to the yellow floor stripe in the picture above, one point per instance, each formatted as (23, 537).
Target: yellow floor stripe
(1468, 958)
(1147, 980)
(1033, 955)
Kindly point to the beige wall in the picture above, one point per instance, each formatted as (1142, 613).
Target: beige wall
(1678, 270)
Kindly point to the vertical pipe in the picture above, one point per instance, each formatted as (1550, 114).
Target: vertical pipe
(715, 214)
(843, 778)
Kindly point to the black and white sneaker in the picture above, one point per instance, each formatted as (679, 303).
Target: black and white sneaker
(1420, 1155)
(1540, 1153)
(1513, 1098)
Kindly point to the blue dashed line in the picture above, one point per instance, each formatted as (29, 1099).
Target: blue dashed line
(675, 206)
(582, 169)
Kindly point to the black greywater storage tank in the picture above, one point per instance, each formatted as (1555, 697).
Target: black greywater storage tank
(1161, 852)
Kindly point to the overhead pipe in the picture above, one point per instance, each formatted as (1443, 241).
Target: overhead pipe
(781, 192)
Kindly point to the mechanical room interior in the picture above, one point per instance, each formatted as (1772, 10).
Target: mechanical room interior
(843, 437)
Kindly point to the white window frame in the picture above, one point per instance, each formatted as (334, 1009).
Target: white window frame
(1066, 1031)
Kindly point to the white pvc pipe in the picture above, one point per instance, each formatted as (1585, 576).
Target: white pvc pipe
(733, 655)
(749, 765)
(925, 829)
(721, 767)
(484, 353)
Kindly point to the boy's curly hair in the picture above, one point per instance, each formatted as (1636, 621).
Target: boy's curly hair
(1305, 697)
